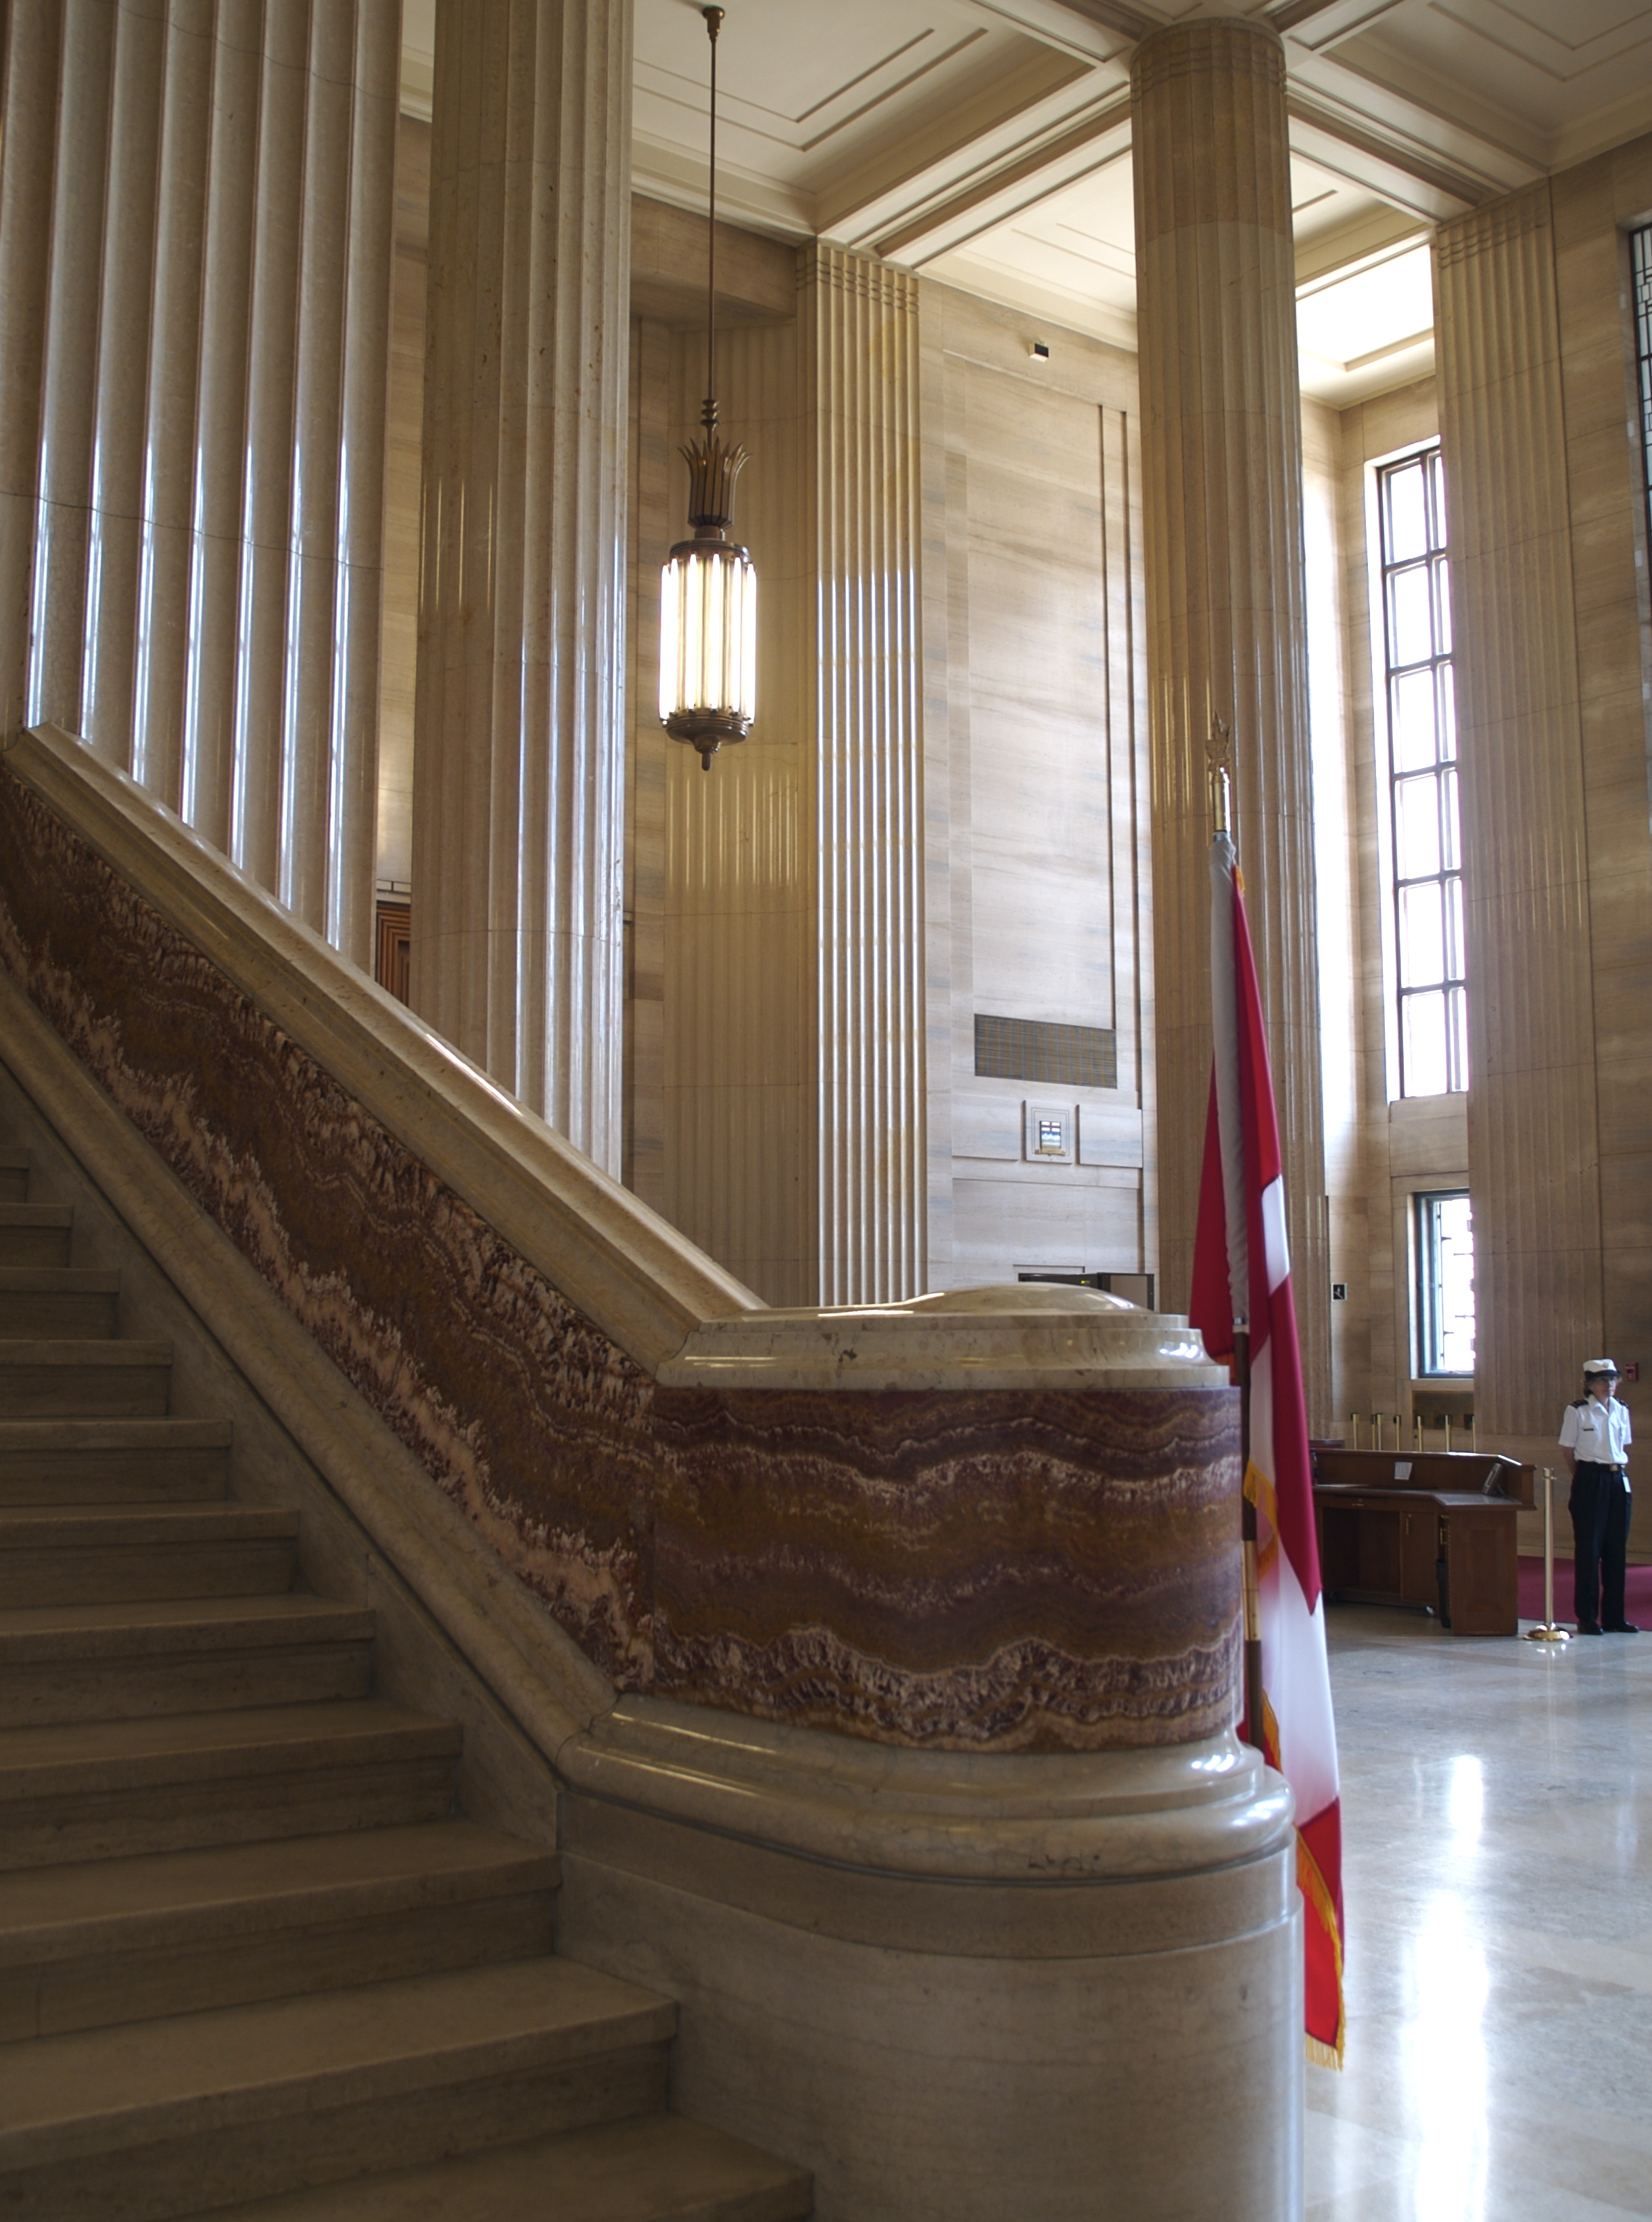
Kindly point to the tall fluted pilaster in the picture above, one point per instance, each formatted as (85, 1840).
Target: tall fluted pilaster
(1533, 1133)
(518, 767)
(859, 350)
(1221, 481)
(196, 272)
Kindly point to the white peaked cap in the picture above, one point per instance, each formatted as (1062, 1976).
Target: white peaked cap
(1597, 1365)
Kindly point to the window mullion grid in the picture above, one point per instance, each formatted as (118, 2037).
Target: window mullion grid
(1448, 990)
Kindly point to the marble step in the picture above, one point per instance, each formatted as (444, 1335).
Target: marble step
(84, 1380)
(35, 1233)
(97, 1554)
(98, 1790)
(14, 1176)
(113, 1461)
(194, 1654)
(158, 2118)
(660, 2169)
(177, 1932)
(59, 1303)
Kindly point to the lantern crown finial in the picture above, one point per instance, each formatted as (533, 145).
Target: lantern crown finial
(713, 466)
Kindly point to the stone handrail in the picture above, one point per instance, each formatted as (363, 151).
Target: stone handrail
(620, 1264)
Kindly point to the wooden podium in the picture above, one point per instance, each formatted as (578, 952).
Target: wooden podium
(1434, 1531)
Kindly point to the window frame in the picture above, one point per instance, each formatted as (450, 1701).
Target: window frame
(1639, 239)
(1385, 671)
(1429, 1339)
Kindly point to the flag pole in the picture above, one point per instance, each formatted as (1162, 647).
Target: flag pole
(1218, 751)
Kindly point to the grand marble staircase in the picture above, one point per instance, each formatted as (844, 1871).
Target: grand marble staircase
(253, 1960)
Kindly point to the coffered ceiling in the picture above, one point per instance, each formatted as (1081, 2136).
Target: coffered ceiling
(986, 142)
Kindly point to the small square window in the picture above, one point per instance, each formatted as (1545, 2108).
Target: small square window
(1445, 1283)
(1049, 1133)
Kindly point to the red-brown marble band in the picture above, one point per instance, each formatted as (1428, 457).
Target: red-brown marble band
(1068, 1563)
(1030, 1696)
(962, 1570)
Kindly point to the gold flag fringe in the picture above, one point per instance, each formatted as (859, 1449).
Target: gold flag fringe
(1318, 1905)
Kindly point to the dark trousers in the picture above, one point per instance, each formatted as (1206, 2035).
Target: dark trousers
(1601, 1508)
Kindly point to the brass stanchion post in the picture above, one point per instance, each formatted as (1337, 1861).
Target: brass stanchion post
(1549, 1633)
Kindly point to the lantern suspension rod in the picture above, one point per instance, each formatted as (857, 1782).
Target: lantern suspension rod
(708, 415)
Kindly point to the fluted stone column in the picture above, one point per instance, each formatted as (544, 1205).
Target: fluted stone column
(1221, 484)
(195, 231)
(518, 764)
(27, 140)
(859, 349)
(1533, 1149)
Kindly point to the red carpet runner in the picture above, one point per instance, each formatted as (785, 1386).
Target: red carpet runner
(1637, 1593)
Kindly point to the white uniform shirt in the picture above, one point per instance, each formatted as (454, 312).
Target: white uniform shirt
(1599, 1434)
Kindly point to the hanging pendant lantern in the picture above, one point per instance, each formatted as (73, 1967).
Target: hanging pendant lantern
(708, 588)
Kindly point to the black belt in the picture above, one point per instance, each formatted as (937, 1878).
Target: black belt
(1599, 1466)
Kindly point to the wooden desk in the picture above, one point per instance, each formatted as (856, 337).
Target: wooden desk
(1410, 1537)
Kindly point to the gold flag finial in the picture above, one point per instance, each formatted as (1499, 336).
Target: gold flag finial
(1219, 755)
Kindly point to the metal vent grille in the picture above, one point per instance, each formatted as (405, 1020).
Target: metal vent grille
(1056, 1056)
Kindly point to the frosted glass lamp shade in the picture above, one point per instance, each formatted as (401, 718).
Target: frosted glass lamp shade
(708, 645)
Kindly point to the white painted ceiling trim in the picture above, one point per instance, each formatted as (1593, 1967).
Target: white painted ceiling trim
(984, 142)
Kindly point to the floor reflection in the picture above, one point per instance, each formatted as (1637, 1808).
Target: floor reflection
(1495, 1803)
(1445, 2060)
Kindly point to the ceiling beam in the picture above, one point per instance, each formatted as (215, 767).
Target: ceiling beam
(1127, 17)
(1286, 15)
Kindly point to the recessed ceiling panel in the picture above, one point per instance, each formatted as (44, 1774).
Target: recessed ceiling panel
(793, 72)
(824, 107)
(1072, 257)
(1576, 24)
(1548, 77)
(1563, 48)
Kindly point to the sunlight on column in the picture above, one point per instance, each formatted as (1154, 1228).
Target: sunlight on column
(1446, 2062)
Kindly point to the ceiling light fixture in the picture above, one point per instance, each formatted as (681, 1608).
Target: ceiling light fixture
(708, 588)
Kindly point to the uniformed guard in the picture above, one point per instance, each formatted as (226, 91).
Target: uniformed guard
(1595, 1436)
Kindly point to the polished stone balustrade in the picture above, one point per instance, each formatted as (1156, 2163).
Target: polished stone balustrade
(994, 1521)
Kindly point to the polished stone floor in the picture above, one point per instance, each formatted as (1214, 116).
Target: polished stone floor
(1497, 1807)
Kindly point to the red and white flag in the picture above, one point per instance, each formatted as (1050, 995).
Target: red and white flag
(1241, 1281)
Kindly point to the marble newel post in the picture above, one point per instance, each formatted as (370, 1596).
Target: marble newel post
(1221, 487)
(518, 801)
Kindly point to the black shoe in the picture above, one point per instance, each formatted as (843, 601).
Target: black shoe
(1622, 1627)
(1588, 1628)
